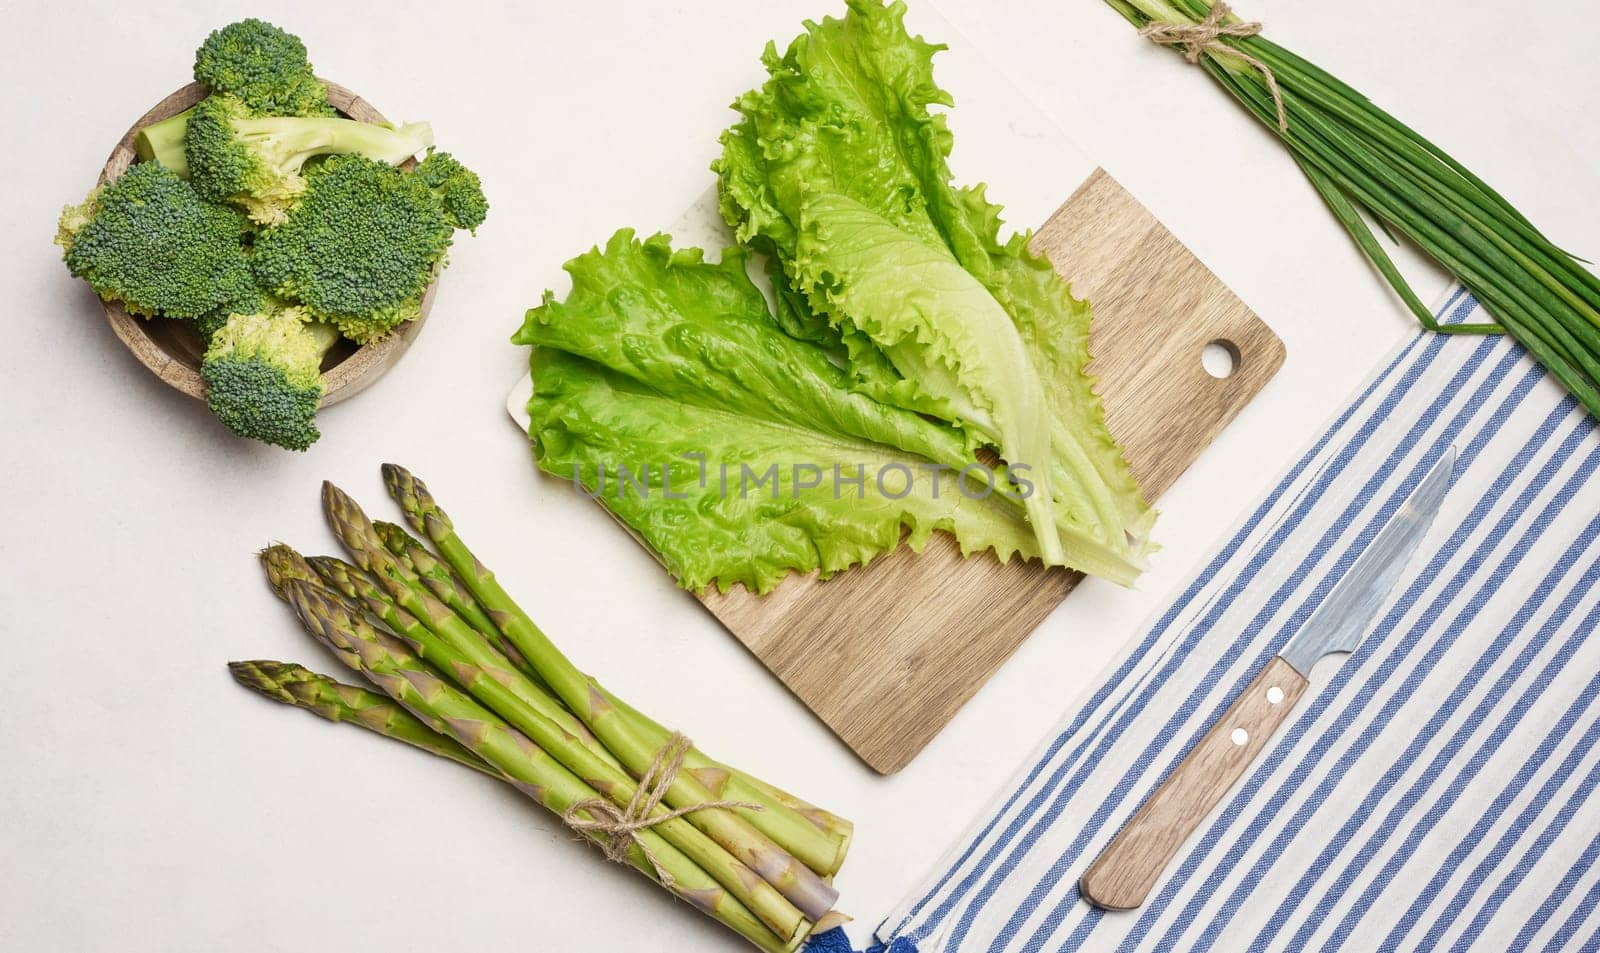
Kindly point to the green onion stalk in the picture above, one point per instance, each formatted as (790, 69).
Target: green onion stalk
(1367, 164)
(464, 674)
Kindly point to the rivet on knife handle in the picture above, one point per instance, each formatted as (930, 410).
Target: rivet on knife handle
(1124, 873)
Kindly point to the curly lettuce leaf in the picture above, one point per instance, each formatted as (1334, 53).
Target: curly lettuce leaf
(939, 326)
(841, 142)
(906, 335)
(1097, 497)
(716, 494)
(844, 110)
(730, 430)
(702, 333)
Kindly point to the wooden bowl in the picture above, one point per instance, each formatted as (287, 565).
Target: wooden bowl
(171, 348)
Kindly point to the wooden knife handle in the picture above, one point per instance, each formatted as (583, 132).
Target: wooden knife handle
(1121, 877)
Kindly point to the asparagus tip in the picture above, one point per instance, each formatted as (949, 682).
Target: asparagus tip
(354, 528)
(349, 581)
(394, 536)
(333, 498)
(328, 568)
(302, 598)
(330, 617)
(282, 563)
(421, 510)
(261, 676)
(321, 609)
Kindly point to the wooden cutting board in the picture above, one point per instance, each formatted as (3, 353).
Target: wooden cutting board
(887, 654)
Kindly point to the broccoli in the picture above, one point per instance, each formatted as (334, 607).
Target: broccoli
(254, 302)
(360, 248)
(273, 225)
(263, 66)
(208, 324)
(148, 241)
(263, 375)
(456, 188)
(254, 161)
(254, 63)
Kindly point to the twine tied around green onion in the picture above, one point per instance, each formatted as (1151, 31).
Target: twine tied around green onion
(622, 825)
(1206, 37)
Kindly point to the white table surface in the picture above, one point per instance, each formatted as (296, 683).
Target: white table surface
(147, 803)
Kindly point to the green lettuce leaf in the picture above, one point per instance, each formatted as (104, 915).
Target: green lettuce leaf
(838, 168)
(702, 333)
(742, 441)
(1097, 497)
(939, 327)
(666, 389)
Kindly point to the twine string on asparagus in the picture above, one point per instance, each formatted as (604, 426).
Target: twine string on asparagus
(1206, 37)
(622, 825)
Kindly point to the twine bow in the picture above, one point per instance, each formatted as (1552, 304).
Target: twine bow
(621, 825)
(1205, 37)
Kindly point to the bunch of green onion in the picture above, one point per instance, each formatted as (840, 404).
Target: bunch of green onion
(1361, 159)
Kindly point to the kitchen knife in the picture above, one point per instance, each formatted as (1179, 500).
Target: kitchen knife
(1121, 877)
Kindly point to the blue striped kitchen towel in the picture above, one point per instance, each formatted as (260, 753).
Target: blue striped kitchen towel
(1434, 792)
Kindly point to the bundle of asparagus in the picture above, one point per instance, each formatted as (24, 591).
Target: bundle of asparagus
(465, 674)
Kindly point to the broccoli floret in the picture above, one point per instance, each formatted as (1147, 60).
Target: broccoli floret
(255, 302)
(263, 375)
(457, 189)
(256, 64)
(359, 249)
(254, 161)
(148, 241)
(265, 67)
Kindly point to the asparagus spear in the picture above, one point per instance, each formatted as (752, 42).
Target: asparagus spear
(629, 736)
(786, 819)
(409, 680)
(334, 700)
(282, 563)
(357, 584)
(409, 552)
(440, 637)
(490, 678)
(784, 812)
(337, 701)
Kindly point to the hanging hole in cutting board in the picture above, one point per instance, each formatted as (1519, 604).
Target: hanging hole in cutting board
(1220, 359)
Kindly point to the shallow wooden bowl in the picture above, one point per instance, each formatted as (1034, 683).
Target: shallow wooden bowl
(171, 348)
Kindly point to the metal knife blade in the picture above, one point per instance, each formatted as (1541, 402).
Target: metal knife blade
(1340, 622)
(1124, 873)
